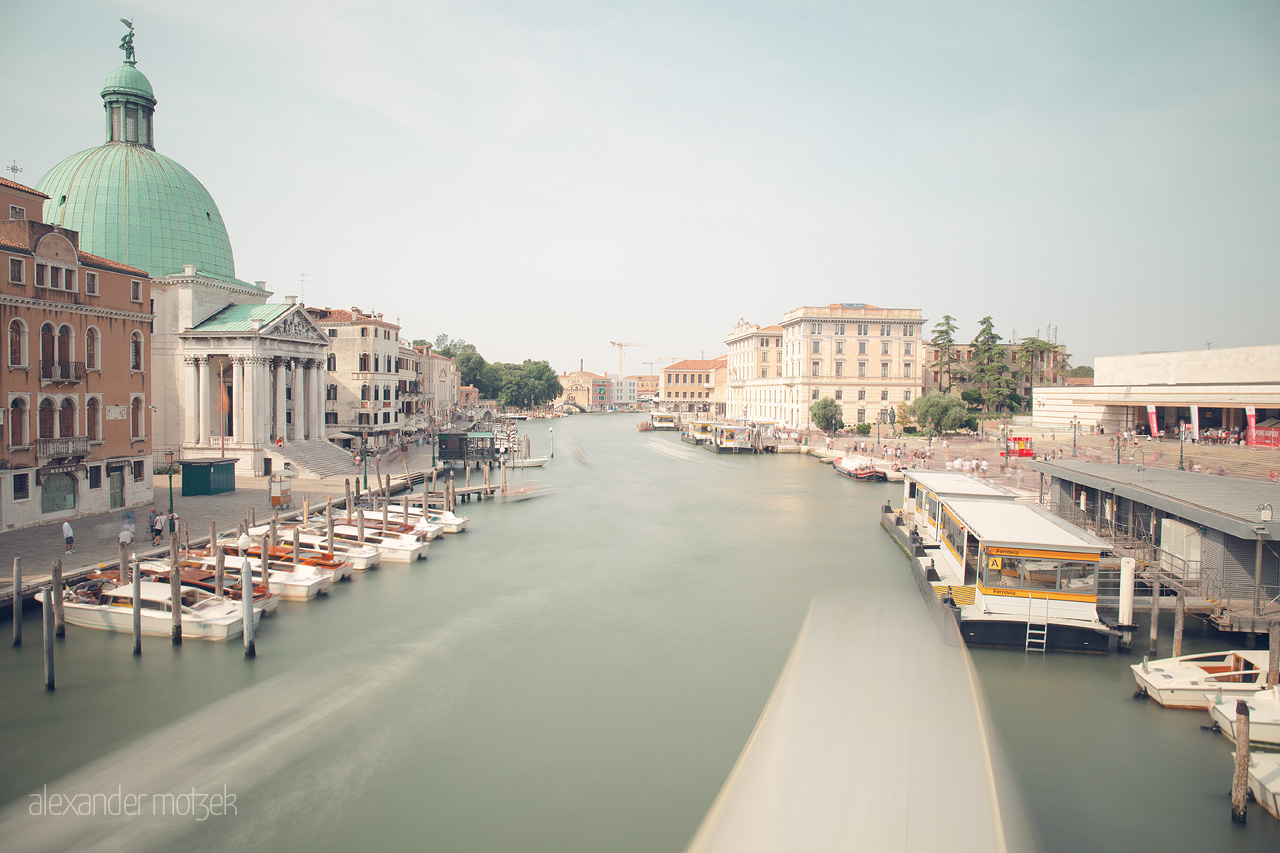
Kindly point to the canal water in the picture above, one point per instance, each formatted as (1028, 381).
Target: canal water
(578, 672)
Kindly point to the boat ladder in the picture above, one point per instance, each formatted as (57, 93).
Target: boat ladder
(1037, 624)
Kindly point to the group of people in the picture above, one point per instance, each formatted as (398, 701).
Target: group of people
(157, 521)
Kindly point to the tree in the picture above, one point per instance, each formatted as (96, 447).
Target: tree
(1037, 357)
(987, 367)
(420, 342)
(972, 396)
(451, 348)
(826, 415)
(1082, 372)
(471, 366)
(939, 413)
(944, 342)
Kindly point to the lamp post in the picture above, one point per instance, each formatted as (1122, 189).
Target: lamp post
(168, 462)
(1075, 431)
(364, 457)
(1182, 433)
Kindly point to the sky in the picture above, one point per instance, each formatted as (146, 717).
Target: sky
(542, 178)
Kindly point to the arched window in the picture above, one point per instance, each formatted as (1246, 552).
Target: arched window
(364, 362)
(46, 418)
(66, 419)
(91, 340)
(136, 420)
(364, 392)
(331, 392)
(18, 423)
(48, 353)
(331, 363)
(135, 351)
(64, 350)
(17, 344)
(386, 392)
(91, 419)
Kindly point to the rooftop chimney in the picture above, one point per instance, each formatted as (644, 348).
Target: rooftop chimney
(290, 300)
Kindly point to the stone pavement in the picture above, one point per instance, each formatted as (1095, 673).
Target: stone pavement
(96, 536)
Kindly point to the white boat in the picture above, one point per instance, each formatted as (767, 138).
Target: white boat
(662, 421)
(361, 557)
(295, 583)
(110, 608)
(531, 462)
(435, 519)
(393, 546)
(1264, 715)
(1264, 780)
(196, 574)
(1185, 681)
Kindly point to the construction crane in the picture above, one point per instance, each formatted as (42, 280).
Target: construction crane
(620, 345)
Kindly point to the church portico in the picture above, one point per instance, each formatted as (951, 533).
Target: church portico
(252, 378)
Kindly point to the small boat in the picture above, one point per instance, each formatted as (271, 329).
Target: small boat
(662, 421)
(193, 573)
(396, 546)
(522, 493)
(859, 468)
(107, 607)
(433, 521)
(531, 462)
(1186, 681)
(1264, 716)
(1264, 780)
(644, 426)
(360, 557)
(293, 582)
(333, 565)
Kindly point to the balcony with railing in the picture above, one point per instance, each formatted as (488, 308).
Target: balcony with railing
(61, 448)
(61, 372)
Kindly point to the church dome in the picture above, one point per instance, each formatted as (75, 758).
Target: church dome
(136, 206)
(131, 203)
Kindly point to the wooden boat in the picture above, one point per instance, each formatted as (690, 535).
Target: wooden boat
(109, 607)
(1264, 716)
(398, 545)
(337, 568)
(195, 574)
(644, 426)
(1264, 780)
(859, 468)
(360, 557)
(531, 462)
(431, 522)
(1186, 681)
(291, 581)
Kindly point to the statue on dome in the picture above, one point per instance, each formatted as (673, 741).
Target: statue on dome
(126, 42)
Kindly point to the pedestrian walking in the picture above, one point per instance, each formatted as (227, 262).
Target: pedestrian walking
(157, 528)
(68, 536)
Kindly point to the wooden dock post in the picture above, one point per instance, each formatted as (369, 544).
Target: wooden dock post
(1273, 655)
(246, 596)
(405, 509)
(123, 570)
(306, 510)
(59, 616)
(48, 637)
(175, 591)
(360, 526)
(328, 526)
(272, 541)
(467, 478)
(1240, 781)
(17, 601)
(504, 477)
(219, 573)
(386, 494)
(297, 543)
(253, 517)
(136, 576)
(386, 512)
(1179, 619)
(1155, 613)
(433, 479)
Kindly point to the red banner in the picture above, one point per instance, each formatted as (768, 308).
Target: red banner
(1252, 414)
(1151, 418)
(1265, 437)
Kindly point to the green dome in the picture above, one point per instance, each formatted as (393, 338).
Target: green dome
(128, 80)
(136, 206)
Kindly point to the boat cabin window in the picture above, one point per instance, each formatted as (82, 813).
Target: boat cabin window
(953, 533)
(911, 490)
(1039, 574)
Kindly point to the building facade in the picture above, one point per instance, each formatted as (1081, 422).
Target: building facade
(362, 399)
(1047, 367)
(868, 359)
(76, 380)
(688, 386)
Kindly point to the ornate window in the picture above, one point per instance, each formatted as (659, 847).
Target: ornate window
(67, 419)
(91, 412)
(18, 423)
(135, 423)
(331, 363)
(364, 362)
(45, 421)
(135, 351)
(91, 341)
(17, 344)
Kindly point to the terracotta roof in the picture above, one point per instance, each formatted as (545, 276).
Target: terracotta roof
(16, 247)
(330, 315)
(696, 364)
(107, 263)
(770, 329)
(14, 185)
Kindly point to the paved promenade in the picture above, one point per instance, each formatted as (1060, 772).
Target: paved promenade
(97, 536)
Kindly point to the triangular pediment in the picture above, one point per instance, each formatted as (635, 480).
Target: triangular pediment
(296, 325)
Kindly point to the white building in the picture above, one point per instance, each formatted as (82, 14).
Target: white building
(363, 393)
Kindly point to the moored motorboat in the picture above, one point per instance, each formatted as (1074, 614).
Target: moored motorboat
(360, 557)
(396, 546)
(1186, 680)
(1264, 780)
(293, 582)
(196, 574)
(1264, 715)
(859, 468)
(107, 607)
(334, 565)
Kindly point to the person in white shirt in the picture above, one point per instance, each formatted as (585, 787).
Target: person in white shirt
(68, 536)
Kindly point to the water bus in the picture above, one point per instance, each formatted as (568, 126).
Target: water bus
(663, 420)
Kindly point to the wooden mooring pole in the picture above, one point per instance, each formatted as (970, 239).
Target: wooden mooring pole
(17, 601)
(246, 596)
(360, 526)
(59, 615)
(1179, 619)
(1273, 655)
(137, 608)
(1155, 614)
(1240, 781)
(175, 591)
(328, 524)
(219, 573)
(348, 506)
(48, 637)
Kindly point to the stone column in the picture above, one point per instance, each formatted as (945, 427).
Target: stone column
(204, 432)
(317, 375)
(237, 400)
(192, 402)
(280, 401)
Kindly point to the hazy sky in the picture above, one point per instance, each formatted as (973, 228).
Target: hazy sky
(541, 178)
